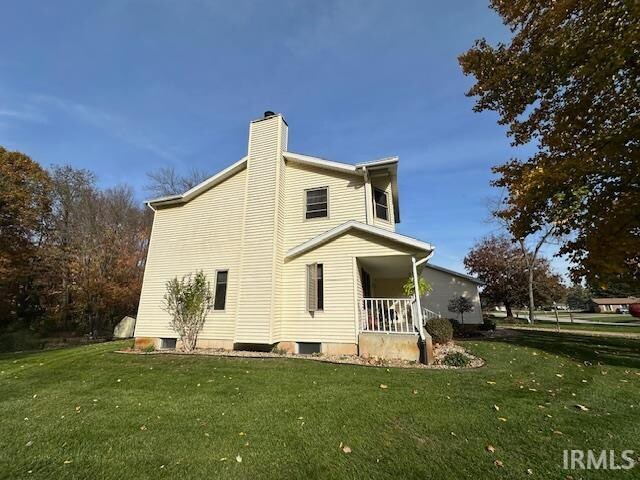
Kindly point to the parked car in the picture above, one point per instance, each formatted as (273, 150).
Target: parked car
(622, 310)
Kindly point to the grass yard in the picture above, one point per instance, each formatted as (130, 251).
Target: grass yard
(547, 325)
(87, 412)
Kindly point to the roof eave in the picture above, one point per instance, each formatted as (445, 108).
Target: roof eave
(201, 187)
(335, 232)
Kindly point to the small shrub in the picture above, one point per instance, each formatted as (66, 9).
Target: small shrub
(489, 324)
(455, 359)
(279, 351)
(20, 340)
(457, 326)
(149, 349)
(440, 330)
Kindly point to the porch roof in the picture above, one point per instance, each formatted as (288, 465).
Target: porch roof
(355, 225)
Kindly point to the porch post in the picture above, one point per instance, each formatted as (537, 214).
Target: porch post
(416, 286)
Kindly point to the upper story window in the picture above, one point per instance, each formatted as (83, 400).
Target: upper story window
(317, 203)
(381, 203)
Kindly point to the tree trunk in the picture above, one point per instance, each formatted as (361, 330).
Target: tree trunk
(509, 311)
(531, 301)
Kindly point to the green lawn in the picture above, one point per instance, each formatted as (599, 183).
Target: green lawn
(546, 325)
(87, 412)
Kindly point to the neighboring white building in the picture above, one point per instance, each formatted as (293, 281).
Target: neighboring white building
(302, 252)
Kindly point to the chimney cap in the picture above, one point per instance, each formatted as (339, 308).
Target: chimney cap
(268, 114)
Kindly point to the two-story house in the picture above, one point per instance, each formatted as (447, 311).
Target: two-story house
(302, 253)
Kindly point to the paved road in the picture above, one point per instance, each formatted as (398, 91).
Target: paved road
(552, 318)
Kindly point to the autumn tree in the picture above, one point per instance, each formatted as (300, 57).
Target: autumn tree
(567, 82)
(73, 191)
(24, 206)
(500, 264)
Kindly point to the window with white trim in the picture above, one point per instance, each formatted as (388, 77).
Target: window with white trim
(316, 203)
(315, 287)
(381, 203)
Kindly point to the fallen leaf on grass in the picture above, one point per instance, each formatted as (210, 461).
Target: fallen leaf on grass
(239, 459)
(66, 462)
(582, 407)
(529, 471)
(496, 408)
(383, 386)
(143, 428)
(415, 392)
(346, 449)
(491, 382)
(502, 419)
(490, 448)
(498, 463)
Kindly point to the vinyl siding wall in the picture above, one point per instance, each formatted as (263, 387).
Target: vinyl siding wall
(203, 234)
(383, 182)
(445, 286)
(257, 296)
(346, 201)
(337, 323)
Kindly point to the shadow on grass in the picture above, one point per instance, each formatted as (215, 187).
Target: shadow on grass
(622, 352)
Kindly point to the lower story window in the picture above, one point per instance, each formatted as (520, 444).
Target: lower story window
(220, 299)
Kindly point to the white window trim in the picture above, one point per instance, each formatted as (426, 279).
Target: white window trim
(304, 204)
(375, 210)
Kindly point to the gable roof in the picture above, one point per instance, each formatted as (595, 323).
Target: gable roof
(454, 273)
(201, 187)
(358, 169)
(331, 234)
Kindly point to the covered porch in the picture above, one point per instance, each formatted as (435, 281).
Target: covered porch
(383, 305)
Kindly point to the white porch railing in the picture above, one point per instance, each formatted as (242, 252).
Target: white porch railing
(387, 315)
(428, 315)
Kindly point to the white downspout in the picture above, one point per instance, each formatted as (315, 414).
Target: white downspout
(416, 285)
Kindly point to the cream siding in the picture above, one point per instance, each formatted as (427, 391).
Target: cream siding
(203, 234)
(445, 286)
(337, 322)
(383, 182)
(257, 295)
(345, 196)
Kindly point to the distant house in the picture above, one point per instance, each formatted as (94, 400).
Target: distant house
(611, 305)
(302, 253)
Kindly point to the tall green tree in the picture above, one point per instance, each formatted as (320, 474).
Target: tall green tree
(569, 82)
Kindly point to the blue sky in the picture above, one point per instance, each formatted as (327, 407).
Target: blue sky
(123, 87)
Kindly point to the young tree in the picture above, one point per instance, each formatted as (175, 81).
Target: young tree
(460, 305)
(567, 82)
(188, 301)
